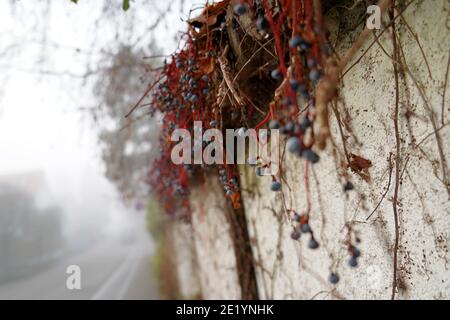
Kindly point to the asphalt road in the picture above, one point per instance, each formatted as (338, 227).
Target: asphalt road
(110, 270)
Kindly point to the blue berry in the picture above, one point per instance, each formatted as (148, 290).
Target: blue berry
(240, 9)
(314, 75)
(305, 45)
(205, 78)
(205, 91)
(313, 244)
(276, 74)
(304, 91)
(261, 23)
(275, 186)
(348, 186)
(294, 84)
(305, 124)
(305, 228)
(293, 145)
(356, 252)
(274, 124)
(353, 262)
(333, 278)
(295, 41)
(311, 156)
(289, 127)
(295, 235)
(296, 217)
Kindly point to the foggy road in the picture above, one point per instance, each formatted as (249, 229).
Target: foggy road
(111, 269)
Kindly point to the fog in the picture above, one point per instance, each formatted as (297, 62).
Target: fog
(53, 189)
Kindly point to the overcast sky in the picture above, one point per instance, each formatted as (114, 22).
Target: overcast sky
(41, 127)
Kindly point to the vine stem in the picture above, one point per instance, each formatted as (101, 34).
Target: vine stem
(397, 157)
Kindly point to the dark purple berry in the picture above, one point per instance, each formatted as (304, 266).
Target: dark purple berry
(295, 41)
(303, 91)
(294, 84)
(333, 278)
(295, 234)
(289, 127)
(313, 244)
(353, 262)
(275, 186)
(293, 145)
(261, 23)
(305, 228)
(305, 45)
(305, 124)
(240, 9)
(296, 217)
(311, 156)
(274, 124)
(276, 74)
(314, 75)
(348, 186)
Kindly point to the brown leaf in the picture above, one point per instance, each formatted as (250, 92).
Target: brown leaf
(207, 66)
(209, 15)
(360, 166)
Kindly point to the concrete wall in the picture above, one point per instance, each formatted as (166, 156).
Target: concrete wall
(287, 269)
(215, 254)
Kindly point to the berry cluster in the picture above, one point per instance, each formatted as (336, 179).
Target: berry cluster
(355, 253)
(301, 225)
(230, 184)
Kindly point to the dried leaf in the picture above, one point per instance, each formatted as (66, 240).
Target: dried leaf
(360, 166)
(209, 15)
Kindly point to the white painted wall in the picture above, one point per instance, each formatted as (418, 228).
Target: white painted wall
(287, 269)
(215, 253)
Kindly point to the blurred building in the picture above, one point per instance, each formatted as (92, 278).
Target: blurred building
(30, 225)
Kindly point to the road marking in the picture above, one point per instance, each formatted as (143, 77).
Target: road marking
(130, 275)
(113, 281)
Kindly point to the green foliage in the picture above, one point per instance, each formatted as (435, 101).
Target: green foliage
(125, 4)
